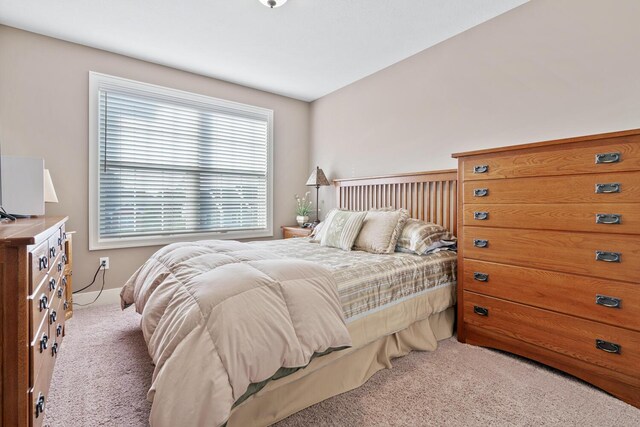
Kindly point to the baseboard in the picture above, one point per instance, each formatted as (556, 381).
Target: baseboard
(108, 296)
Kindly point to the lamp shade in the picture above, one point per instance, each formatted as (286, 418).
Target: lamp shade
(49, 192)
(317, 178)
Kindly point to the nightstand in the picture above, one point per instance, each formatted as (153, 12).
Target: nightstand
(295, 231)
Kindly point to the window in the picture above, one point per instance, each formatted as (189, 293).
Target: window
(167, 165)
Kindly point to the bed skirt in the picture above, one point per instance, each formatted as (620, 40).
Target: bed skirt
(341, 371)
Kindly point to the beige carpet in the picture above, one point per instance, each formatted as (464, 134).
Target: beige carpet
(103, 373)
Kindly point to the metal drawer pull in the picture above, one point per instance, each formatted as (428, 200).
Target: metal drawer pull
(65, 305)
(59, 266)
(480, 243)
(52, 284)
(60, 292)
(610, 187)
(607, 158)
(480, 169)
(43, 302)
(59, 330)
(43, 342)
(480, 192)
(52, 252)
(608, 218)
(481, 311)
(609, 347)
(606, 301)
(52, 317)
(40, 405)
(64, 281)
(60, 242)
(54, 349)
(481, 277)
(608, 256)
(43, 263)
(64, 258)
(480, 216)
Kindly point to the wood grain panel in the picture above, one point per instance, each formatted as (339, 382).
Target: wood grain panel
(17, 373)
(41, 387)
(561, 160)
(560, 333)
(569, 252)
(561, 292)
(60, 323)
(36, 313)
(39, 358)
(294, 231)
(429, 196)
(570, 189)
(37, 258)
(542, 276)
(624, 387)
(570, 217)
(68, 272)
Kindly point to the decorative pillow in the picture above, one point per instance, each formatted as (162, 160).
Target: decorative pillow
(419, 236)
(341, 229)
(316, 234)
(381, 230)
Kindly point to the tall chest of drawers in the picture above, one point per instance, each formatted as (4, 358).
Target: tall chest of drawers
(33, 307)
(549, 255)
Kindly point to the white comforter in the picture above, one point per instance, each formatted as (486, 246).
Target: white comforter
(220, 315)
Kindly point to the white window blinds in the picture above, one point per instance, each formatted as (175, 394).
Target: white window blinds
(172, 164)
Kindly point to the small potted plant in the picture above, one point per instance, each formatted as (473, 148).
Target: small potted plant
(303, 207)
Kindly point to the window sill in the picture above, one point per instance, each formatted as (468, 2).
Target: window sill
(129, 242)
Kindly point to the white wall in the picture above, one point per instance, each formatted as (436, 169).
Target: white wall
(545, 70)
(44, 98)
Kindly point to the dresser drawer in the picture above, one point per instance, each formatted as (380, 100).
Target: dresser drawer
(60, 293)
(608, 301)
(554, 189)
(563, 161)
(40, 348)
(39, 261)
(607, 346)
(57, 329)
(58, 265)
(54, 246)
(569, 252)
(39, 393)
(39, 303)
(619, 218)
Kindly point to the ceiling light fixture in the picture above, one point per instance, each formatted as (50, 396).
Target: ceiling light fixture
(273, 3)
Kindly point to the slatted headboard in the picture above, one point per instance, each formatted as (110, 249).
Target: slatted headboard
(429, 196)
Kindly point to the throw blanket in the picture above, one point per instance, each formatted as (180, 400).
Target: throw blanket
(221, 316)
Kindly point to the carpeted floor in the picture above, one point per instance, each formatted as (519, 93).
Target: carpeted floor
(103, 373)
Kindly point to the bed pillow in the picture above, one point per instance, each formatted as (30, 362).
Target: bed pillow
(419, 236)
(316, 234)
(341, 229)
(381, 230)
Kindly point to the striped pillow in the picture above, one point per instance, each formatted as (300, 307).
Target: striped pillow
(418, 236)
(341, 229)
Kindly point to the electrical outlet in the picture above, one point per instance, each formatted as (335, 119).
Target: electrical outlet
(105, 261)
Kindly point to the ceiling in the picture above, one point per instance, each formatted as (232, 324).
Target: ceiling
(304, 49)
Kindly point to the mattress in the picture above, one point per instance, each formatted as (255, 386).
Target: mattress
(372, 282)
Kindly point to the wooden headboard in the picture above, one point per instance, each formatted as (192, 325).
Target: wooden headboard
(429, 196)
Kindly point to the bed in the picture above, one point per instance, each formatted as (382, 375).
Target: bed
(392, 303)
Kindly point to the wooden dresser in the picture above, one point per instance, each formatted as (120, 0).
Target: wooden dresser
(33, 306)
(549, 255)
